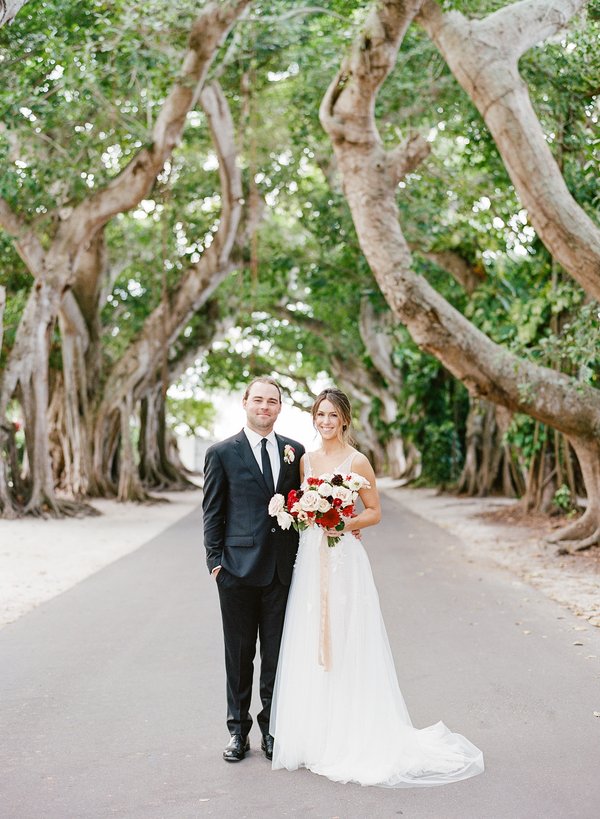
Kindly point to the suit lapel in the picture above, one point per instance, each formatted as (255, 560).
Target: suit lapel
(244, 450)
(283, 467)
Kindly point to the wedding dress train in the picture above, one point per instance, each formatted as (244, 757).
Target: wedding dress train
(350, 723)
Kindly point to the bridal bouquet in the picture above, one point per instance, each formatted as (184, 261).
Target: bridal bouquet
(323, 502)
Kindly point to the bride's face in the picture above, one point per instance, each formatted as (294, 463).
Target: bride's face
(328, 421)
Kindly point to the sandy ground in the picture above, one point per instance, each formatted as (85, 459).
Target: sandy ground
(494, 529)
(42, 558)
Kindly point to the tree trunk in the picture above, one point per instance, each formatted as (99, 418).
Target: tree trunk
(130, 487)
(467, 275)
(2, 308)
(55, 268)
(9, 9)
(483, 55)
(28, 366)
(364, 384)
(364, 434)
(584, 532)
(138, 370)
(157, 470)
(370, 175)
(76, 443)
(485, 469)
(105, 451)
(7, 442)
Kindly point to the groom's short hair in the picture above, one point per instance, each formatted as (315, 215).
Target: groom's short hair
(262, 379)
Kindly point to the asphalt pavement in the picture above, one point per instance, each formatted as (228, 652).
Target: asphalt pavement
(112, 700)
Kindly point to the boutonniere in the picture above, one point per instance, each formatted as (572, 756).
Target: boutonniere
(289, 454)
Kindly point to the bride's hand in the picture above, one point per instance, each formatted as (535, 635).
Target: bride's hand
(335, 532)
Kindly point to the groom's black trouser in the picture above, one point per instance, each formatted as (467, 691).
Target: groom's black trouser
(249, 612)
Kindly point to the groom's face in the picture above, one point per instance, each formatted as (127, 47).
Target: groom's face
(262, 406)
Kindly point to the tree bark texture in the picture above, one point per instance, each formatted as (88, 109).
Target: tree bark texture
(157, 468)
(584, 532)
(468, 276)
(140, 367)
(370, 175)
(402, 460)
(487, 457)
(2, 308)
(9, 10)
(130, 486)
(483, 55)
(54, 269)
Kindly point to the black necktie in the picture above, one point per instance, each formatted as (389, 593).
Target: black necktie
(266, 466)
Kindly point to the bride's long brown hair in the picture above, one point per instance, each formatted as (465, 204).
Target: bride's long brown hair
(340, 401)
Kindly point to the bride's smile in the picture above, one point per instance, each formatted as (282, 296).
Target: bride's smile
(327, 421)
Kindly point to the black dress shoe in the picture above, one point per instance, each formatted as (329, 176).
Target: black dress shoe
(236, 748)
(266, 744)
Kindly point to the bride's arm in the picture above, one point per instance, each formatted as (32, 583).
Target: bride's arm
(371, 514)
(302, 469)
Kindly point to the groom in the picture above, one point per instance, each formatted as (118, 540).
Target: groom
(249, 556)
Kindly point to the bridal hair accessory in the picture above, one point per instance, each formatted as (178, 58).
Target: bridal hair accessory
(323, 501)
(289, 454)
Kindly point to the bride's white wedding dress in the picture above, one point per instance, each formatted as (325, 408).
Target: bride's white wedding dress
(350, 723)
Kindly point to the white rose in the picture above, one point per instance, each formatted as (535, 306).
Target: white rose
(357, 482)
(324, 505)
(345, 495)
(310, 501)
(276, 505)
(325, 489)
(284, 519)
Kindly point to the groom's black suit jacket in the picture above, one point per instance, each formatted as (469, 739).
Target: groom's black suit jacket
(239, 534)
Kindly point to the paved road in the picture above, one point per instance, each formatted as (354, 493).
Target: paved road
(112, 695)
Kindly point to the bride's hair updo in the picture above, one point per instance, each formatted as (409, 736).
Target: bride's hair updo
(340, 401)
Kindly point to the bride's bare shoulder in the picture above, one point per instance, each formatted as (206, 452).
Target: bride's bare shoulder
(361, 464)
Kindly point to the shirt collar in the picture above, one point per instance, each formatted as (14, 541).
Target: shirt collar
(255, 437)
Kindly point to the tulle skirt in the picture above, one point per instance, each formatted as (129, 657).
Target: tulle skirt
(350, 723)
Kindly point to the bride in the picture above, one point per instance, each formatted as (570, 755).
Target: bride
(337, 707)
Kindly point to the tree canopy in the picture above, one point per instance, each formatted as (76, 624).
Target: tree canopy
(210, 191)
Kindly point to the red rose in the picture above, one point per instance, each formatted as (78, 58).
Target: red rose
(348, 511)
(314, 481)
(293, 497)
(337, 502)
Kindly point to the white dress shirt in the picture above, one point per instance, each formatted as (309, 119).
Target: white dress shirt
(255, 439)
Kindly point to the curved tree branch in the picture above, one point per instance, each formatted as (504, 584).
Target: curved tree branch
(209, 31)
(463, 272)
(139, 365)
(487, 369)
(375, 332)
(483, 55)
(9, 9)
(27, 244)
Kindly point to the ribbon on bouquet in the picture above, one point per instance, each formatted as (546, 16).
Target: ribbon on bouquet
(325, 625)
